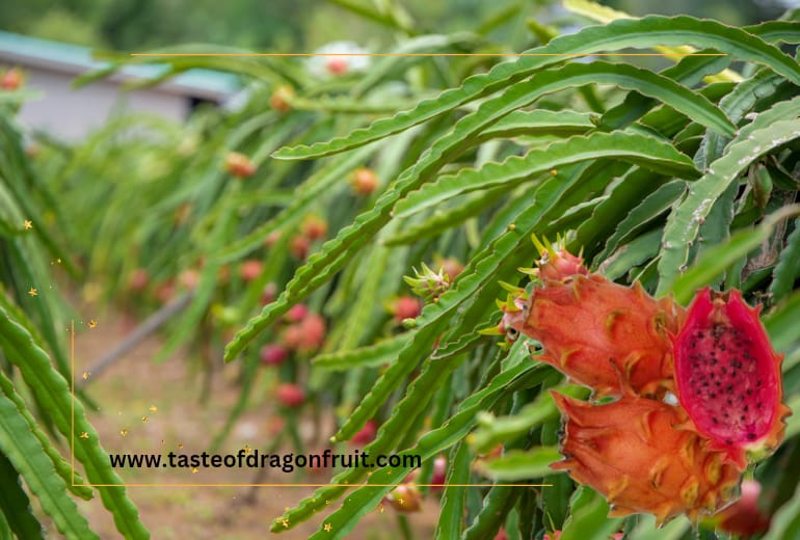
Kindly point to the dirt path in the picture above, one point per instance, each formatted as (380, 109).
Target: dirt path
(153, 408)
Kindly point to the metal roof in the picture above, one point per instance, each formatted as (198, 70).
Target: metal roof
(75, 59)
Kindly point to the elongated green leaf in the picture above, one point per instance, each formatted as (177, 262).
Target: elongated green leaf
(635, 253)
(54, 394)
(781, 323)
(441, 220)
(493, 430)
(540, 122)
(64, 469)
(517, 465)
(649, 209)
(735, 105)
(645, 151)
(787, 270)
(684, 223)
(588, 518)
(496, 506)
(640, 33)
(26, 454)
(688, 72)
(15, 506)
(717, 259)
(786, 522)
(646, 529)
(374, 355)
(389, 65)
(775, 31)
(451, 517)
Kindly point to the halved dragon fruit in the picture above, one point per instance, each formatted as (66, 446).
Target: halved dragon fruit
(728, 377)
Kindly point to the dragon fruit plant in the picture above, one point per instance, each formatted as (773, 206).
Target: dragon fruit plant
(642, 452)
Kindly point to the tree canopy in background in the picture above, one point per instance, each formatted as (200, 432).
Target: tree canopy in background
(301, 24)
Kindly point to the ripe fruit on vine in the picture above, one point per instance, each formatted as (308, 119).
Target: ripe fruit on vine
(250, 270)
(273, 354)
(364, 181)
(281, 98)
(290, 395)
(314, 228)
(239, 165)
(405, 307)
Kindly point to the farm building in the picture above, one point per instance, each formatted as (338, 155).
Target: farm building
(70, 113)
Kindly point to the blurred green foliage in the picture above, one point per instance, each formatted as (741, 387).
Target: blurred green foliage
(304, 24)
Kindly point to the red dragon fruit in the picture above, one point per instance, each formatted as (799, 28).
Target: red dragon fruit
(728, 377)
(631, 453)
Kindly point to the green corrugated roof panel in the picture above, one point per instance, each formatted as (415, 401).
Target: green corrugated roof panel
(76, 56)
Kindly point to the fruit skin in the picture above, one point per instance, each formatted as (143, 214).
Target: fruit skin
(599, 333)
(290, 395)
(631, 452)
(728, 377)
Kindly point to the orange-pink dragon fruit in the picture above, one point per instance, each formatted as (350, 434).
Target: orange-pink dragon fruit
(595, 331)
(728, 377)
(642, 453)
(631, 453)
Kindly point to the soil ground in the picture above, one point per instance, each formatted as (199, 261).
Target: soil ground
(149, 407)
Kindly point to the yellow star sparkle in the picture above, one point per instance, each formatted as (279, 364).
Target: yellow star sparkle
(153, 408)
(144, 419)
(247, 450)
(92, 323)
(84, 435)
(285, 523)
(28, 224)
(123, 432)
(381, 508)
(180, 445)
(328, 527)
(194, 470)
(33, 292)
(86, 375)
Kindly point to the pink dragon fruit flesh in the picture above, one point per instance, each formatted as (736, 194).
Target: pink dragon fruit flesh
(728, 377)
